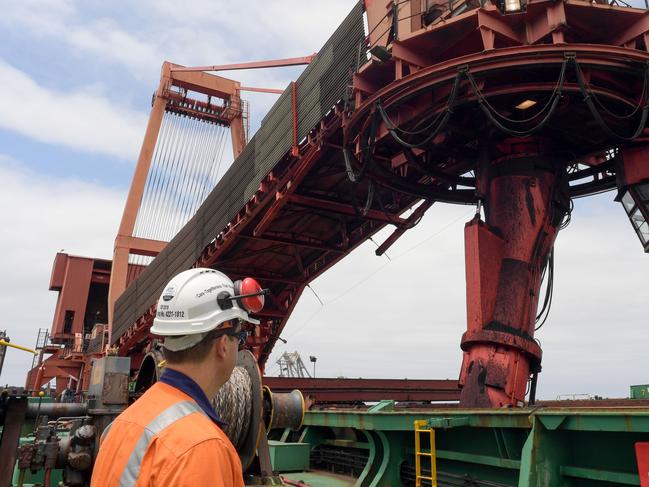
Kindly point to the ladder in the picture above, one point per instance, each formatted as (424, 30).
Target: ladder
(423, 428)
(41, 341)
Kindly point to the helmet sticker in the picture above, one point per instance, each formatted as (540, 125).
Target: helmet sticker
(169, 293)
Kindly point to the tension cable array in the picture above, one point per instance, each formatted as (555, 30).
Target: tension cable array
(184, 169)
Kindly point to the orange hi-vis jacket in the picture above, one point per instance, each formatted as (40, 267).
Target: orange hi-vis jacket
(165, 438)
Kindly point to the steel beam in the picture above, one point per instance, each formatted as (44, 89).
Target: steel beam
(296, 242)
(353, 390)
(272, 63)
(342, 209)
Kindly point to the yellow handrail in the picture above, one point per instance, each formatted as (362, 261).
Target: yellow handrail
(13, 345)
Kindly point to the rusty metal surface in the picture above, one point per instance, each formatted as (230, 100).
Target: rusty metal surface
(14, 408)
(115, 390)
(283, 409)
(596, 403)
(56, 409)
(359, 390)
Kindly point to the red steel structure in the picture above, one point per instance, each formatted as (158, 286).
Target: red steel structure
(174, 93)
(329, 390)
(423, 108)
(80, 318)
(462, 104)
(515, 107)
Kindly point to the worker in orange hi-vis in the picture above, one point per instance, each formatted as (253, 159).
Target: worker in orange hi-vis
(171, 436)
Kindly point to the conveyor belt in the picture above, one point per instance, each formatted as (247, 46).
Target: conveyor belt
(319, 88)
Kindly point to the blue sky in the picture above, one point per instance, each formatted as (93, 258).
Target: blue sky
(77, 83)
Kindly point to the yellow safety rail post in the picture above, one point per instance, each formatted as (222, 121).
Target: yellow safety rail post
(421, 427)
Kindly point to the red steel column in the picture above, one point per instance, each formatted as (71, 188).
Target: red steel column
(526, 201)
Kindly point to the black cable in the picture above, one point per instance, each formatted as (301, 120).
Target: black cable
(621, 117)
(549, 290)
(588, 98)
(367, 146)
(557, 91)
(433, 173)
(568, 216)
(490, 114)
(444, 115)
(369, 200)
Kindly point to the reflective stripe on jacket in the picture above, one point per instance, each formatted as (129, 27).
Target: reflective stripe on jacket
(163, 439)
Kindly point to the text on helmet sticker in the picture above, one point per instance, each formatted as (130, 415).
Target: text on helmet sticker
(170, 314)
(212, 289)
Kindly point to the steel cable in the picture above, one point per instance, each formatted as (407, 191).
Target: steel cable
(169, 176)
(201, 171)
(181, 189)
(162, 167)
(166, 207)
(187, 165)
(152, 179)
(194, 173)
(214, 161)
(615, 115)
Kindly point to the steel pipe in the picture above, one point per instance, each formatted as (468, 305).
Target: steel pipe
(56, 409)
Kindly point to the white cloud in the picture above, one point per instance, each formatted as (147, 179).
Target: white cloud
(82, 119)
(40, 216)
(93, 118)
(100, 40)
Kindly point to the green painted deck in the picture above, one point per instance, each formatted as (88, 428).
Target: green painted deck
(572, 447)
(321, 479)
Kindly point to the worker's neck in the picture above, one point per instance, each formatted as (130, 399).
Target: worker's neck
(205, 375)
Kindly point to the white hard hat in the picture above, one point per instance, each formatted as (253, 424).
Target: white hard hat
(197, 301)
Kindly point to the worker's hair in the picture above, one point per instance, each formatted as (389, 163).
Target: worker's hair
(194, 354)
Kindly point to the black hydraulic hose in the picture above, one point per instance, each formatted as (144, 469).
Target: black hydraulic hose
(598, 117)
(555, 92)
(366, 149)
(549, 291)
(445, 116)
(353, 177)
(423, 191)
(628, 115)
(434, 173)
(518, 133)
(369, 200)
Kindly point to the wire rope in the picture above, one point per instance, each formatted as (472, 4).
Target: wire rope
(190, 169)
(162, 169)
(152, 178)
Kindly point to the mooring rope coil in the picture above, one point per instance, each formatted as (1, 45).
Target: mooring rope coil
(233, 404)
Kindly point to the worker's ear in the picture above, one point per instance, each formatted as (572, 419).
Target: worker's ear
(221, 346)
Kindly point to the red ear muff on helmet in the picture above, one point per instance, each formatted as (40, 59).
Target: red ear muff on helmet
(249, 295)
